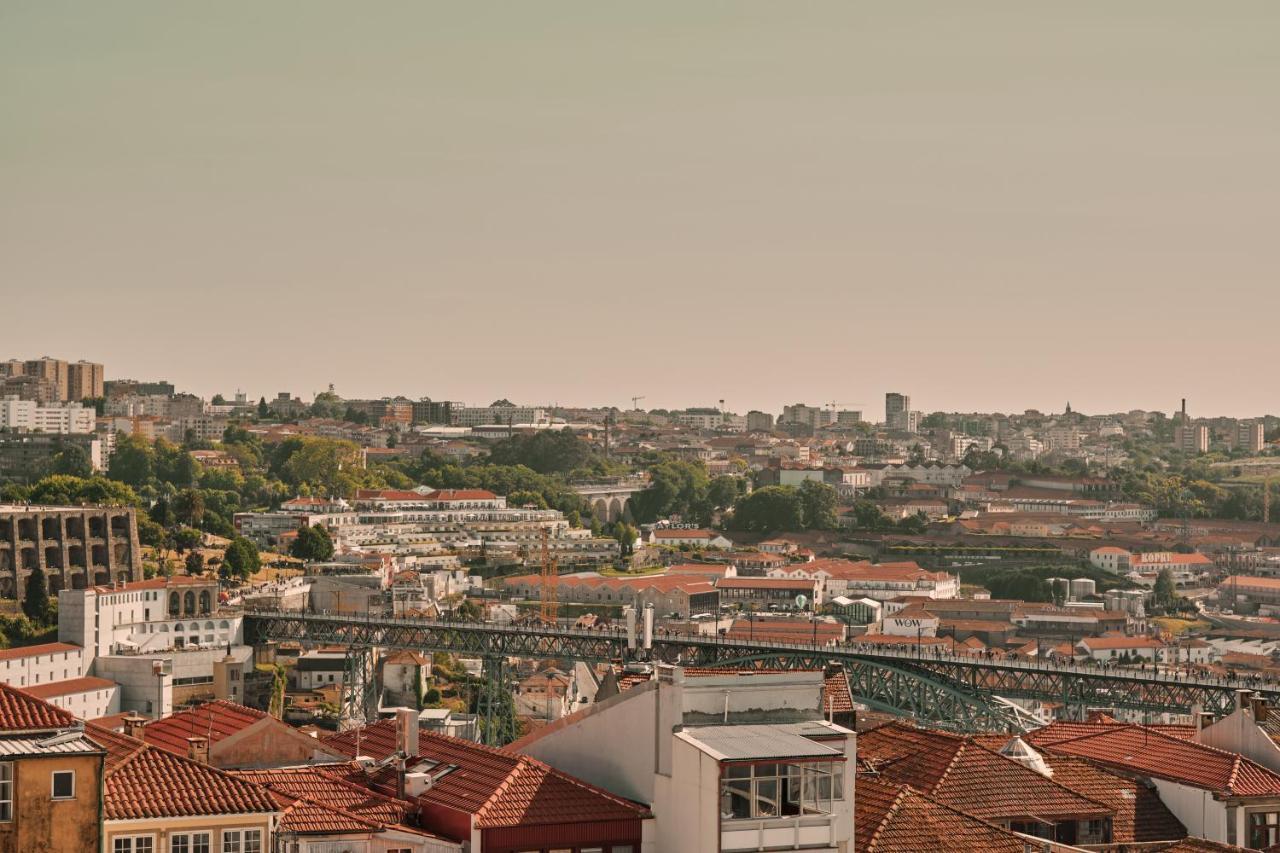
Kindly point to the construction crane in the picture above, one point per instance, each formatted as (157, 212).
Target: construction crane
(635, 402)
(550, 580)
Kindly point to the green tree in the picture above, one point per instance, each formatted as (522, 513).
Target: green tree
(867, 516)
(133, 461)
(546, 451)
(68, 490)
(526, 497)
(626, 536)
(35, 600)
(1165, 594)
(330, 465)
(312, 543)
(770, 508)
(186, 539)
(723, 491)
(195, 563)
(818, 503)
(468, 611)
(240, 560)
(263, 410)
(676, 487)
(72, 461)
(188, 507)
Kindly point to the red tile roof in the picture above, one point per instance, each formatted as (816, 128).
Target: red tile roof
(303, 817)
(1140, 814)
(1149, 752)
(143, 782)
(960, 772)
(69, 686)
(327, 788)
(20, 711)
(33, 651)
(499, 788)
(890, 818)
(212, 720)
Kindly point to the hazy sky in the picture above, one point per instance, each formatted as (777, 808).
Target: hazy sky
(985, 205)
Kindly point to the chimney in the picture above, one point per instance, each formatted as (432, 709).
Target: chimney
(1203, 721)
(1242, 698)
(198, 749)
(407, 731)
(133, 724)
(1259, 709)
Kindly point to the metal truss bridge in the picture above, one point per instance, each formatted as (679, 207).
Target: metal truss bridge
(960, 692)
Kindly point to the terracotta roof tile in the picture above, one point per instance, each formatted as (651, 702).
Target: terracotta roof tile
(69, 686)
(891, 818)
(19, 711)
(962, 773)
(143, 782)
(1152, 753)
(33, 651)
(498, 787)
(1140, 814)
(212, 720)
(327, 788)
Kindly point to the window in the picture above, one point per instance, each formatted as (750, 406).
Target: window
(134, 844)
(1264, 829)
(6, 790)
(780, 790)
(242, 841)
(189, 842)
(64, 784)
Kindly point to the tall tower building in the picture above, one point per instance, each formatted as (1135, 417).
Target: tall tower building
(898, 414)
(84, 380)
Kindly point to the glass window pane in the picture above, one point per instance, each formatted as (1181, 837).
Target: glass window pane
(766, 797)
(735, 799)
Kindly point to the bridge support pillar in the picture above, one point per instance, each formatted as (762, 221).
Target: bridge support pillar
(359, 692)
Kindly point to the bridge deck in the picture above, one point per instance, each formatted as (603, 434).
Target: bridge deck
(940, 687)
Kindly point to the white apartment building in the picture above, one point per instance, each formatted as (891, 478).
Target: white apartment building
(55, 672)
(29, 666)
(727, 762)
(470, 416)
(877, 581)
(30, 416)
(87, 697)
(152, 637)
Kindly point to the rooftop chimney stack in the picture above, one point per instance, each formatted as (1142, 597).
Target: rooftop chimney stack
(1259, 709)
(133, 724)
(198, 749)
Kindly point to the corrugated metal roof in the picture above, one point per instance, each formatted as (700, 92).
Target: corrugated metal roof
(731, 743)
(32, 746)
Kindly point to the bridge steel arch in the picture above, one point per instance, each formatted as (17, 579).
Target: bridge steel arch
(952, 692)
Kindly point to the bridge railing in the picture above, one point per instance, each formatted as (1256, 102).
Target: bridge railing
(872, 652)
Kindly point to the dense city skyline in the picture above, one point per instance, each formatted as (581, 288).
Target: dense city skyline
(992, 206)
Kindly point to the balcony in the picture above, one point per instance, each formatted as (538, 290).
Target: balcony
(808, 832)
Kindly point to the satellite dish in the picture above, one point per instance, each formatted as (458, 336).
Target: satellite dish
(801, 601)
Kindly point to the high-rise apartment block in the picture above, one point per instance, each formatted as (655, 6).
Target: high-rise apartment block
(1191, 438)
(898, 414)
(810, 416)
(84, 380)
(50, 380)
(758, 421)
(1249, 436)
